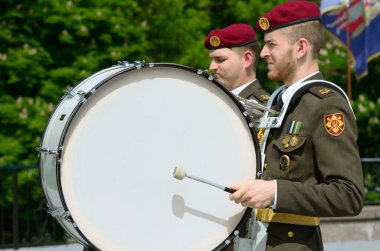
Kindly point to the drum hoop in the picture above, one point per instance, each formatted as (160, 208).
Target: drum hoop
(128, 68)
(58, 166)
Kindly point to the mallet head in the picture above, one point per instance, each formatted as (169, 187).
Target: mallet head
(179, 172)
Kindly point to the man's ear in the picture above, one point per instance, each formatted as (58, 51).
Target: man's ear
(302, 48)
(248, 58)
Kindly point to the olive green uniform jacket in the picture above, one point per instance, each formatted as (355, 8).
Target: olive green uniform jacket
(255, 91)
(321, 175)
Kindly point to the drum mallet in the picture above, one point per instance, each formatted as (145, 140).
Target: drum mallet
(180, 173)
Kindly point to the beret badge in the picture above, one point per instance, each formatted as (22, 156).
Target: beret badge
(264, 23)
(215, 41)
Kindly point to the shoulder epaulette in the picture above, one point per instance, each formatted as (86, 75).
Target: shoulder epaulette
(321, 91)
(262, 96)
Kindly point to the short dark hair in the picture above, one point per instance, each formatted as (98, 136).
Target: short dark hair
(255, 48)
(312, 31)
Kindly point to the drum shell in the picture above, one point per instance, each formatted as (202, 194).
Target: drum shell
(52, 139)
(59, 124)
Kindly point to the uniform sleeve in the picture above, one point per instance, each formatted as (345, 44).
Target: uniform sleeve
(339, 187)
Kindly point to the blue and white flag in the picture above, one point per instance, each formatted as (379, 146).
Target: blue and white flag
(363, 25)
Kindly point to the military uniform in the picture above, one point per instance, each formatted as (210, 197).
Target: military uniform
(315, 160)
(313, 155)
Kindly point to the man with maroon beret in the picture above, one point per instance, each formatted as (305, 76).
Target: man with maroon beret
(311, 164)
(234, 54)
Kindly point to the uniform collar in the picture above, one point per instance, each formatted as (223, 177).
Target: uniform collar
(285, 91)
(238, 90)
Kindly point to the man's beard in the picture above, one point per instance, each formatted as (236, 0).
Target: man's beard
(285, 68)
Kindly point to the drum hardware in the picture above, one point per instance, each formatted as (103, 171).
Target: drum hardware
(82, 94)
(180, 173)
(256, 236)
(136, 64)
(228, 242)
(60, 212)
(139, 64)
(66, 215)
(70, 93)
(49, 151)
(255, 109)
(55, 212)
(125, 64)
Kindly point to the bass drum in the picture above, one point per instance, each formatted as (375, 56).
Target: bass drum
(110, 147)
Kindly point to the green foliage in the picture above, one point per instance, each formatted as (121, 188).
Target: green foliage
(367, 116)
(371, 173)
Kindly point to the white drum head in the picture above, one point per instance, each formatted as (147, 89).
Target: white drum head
(120, 150)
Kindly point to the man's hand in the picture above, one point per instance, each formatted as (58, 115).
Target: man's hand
(254, 193)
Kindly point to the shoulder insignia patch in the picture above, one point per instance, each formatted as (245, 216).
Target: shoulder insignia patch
(334, 124)
(264, 97)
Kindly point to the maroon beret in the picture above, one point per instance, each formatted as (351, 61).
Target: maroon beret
(234, 35)
(289, 13)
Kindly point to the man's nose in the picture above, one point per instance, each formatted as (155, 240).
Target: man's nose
(213, 66)
(264, 52)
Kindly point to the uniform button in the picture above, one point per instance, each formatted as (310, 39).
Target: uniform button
(290, 234)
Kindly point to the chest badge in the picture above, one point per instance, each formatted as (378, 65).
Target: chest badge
(284, 162)
(334, 124)
(293, 141)
(285, 141)
(292, 131)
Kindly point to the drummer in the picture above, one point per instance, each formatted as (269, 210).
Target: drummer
(312, 165)
(235, 54)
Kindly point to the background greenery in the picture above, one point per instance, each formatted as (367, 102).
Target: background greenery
(48, 46)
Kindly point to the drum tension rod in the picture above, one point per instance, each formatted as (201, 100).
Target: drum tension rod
(71, 93)
(61, 213)
(49, 151)
(138, 64)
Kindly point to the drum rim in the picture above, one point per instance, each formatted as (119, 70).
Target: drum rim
(138, 65)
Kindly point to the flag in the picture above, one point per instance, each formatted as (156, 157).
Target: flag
(363, 25)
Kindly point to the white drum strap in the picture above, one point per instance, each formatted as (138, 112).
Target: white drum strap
(268, 122)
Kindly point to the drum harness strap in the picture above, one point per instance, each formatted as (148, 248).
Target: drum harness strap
(268, 122)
